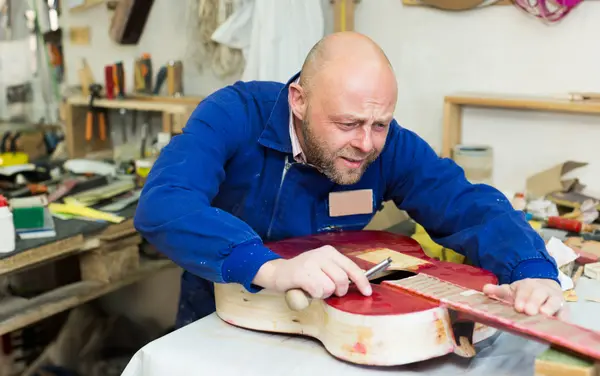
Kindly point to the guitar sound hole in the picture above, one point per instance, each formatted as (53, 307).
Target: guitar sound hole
(393, 276)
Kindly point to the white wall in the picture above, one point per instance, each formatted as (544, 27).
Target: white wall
(498, 49)
(435, 53)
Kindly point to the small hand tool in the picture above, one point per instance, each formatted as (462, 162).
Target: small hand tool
(378, 268)
(94, 93)
(298, 299)
(122, 112)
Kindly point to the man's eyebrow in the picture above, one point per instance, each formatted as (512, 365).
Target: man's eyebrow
(351, 118)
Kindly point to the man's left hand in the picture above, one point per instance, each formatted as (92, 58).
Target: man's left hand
(530, 296)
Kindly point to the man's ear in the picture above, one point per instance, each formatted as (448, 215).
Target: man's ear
(297, 100)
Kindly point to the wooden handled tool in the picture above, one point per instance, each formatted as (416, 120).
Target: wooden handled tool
(298, 299)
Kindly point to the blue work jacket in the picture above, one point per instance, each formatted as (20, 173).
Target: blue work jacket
(229, 182)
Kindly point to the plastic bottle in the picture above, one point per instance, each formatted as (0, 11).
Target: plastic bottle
(7, 227)
(519, 202)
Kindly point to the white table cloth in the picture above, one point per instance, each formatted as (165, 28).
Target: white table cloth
(213, 347)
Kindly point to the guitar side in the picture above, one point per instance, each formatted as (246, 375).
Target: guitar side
(406, 333)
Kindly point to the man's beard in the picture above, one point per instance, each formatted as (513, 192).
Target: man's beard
(318, 156)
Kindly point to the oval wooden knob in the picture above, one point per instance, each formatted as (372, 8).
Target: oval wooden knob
(297, 299)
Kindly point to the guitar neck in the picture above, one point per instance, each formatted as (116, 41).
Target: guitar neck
(500, 315)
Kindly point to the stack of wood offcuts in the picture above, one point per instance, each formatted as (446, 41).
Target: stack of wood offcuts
(114, 255)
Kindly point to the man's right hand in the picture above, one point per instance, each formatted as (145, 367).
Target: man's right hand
(320, 272)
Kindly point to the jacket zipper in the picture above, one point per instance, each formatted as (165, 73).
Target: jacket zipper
(286, 167)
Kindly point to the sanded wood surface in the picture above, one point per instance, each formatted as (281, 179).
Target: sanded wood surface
(23, 312)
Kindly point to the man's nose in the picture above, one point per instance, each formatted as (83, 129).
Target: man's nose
(363, 140)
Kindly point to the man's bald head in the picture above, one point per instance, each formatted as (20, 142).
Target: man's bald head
(343, 105)
(349, 49)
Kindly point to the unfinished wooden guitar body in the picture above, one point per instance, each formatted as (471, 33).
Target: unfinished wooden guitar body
(390, 327)
(422, 309)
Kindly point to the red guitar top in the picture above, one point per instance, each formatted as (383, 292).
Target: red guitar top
(385, 299)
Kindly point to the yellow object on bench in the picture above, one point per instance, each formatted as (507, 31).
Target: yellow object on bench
(434, 250)
(12, 159)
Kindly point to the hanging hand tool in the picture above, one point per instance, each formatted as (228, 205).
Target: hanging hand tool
(109, 75)
(122, 112)
(95, 93)
(160, 79)
(119, 78)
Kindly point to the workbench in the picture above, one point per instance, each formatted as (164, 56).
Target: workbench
(74, 239)
(211, 346)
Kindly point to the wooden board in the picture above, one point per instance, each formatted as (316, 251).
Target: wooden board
(343, 11)
(45, 253)
(555, 363)
(129, 20)
(87, 4)
(79, 35)
(23, 313)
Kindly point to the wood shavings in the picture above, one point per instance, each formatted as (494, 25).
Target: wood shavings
(577, 275)
(570, 296)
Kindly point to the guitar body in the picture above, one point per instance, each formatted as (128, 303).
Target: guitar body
(390, 327)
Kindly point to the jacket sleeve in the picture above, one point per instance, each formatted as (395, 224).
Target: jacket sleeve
(475, 220)
(174, 212)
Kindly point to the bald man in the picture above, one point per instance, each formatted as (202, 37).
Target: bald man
(257, 161)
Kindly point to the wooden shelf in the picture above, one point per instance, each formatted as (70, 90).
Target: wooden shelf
(23, 312)
(453, 105)
(175, 113)
(86, 5)
(132, 104)
(525, 103)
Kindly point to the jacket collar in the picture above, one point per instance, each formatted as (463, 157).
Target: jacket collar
(276, 134)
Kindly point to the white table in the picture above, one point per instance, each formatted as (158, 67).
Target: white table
(213, 347)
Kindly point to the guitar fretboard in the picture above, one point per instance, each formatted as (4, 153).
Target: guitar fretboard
(503, 316)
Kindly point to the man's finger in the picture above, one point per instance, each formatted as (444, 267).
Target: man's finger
(338, 276)
(313, 283)
(355, 274)
(522, 293)
(502, 292)
(536, 300)
(552, 305)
